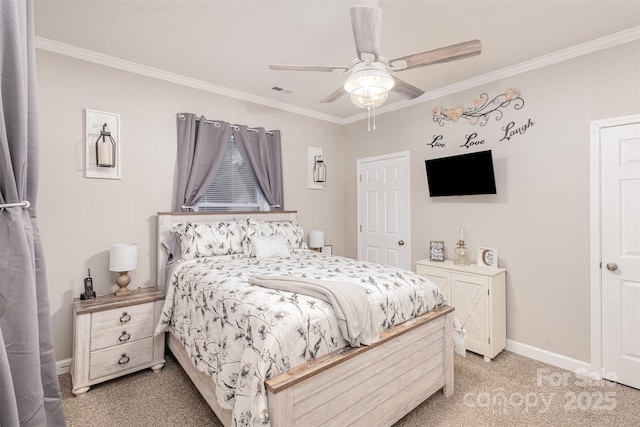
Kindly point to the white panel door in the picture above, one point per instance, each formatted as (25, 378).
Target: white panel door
(383, 210)
(620, 216)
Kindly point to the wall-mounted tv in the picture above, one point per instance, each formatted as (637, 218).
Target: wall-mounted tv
(461, 175)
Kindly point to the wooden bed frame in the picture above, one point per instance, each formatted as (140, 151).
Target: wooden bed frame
(372, 385)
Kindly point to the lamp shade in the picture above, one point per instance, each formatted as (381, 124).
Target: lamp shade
(123, 257)
(316, 239)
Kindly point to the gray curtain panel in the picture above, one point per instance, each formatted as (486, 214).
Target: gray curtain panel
(29, 390)
(264, 153)
(201, 146)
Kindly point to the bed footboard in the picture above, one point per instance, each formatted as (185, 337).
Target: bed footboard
(374, 385)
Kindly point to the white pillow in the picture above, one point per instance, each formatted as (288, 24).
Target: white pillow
(292, 232)
(269, 247)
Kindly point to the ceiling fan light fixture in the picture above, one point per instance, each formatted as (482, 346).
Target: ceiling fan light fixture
(369, 85)
(369, 97)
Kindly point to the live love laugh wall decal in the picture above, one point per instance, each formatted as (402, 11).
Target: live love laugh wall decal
(480, 113)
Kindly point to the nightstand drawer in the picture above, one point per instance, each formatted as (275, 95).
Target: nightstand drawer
(120, 335)
(113, 327)
(120, 358)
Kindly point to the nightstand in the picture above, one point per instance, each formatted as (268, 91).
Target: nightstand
(113, 336)
(478, 295)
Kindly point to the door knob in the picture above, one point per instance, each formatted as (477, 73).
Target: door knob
(612, 266)
(401, 242)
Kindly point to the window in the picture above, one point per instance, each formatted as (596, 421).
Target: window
(234, 188)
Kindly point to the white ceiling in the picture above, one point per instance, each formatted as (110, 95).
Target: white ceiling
(229, 44)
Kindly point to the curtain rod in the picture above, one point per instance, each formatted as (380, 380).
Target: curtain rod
(24, 204)
(217, 124)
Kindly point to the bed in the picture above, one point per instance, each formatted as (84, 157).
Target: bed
(316, 378)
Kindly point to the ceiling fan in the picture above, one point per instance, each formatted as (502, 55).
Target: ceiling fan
(370, 80)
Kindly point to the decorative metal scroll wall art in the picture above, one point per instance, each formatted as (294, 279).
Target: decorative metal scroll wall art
(482, 109)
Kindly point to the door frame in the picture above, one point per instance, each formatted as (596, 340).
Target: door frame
(595, 237)
(406, 156)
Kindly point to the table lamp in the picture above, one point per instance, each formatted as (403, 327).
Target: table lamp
(123, 258)
(316, 240)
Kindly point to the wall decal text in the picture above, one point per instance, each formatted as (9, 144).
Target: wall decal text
(473, 139)
(509, 130)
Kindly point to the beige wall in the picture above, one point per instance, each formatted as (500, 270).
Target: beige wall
(80, 218)
(539, 220)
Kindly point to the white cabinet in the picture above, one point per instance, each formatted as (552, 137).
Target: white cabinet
(113, 336)
(478, 295)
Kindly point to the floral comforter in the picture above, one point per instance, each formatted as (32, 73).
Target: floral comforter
(242, 334)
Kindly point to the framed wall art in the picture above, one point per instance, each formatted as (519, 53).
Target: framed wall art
(488, 257)
(436, 251)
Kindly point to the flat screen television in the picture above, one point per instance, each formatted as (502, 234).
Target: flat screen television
(462, 175)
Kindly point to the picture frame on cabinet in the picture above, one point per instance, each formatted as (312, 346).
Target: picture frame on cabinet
(487, 258)
(327, 249)
(436, 250)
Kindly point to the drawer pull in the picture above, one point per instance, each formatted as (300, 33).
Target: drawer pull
(125, 317)
(124, 337)
(124, 359)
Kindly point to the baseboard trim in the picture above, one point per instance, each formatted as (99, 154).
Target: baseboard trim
(63, 366)
(545, 356)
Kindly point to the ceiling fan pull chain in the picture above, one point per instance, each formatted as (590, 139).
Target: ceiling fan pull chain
(374, 117)
(369, 109)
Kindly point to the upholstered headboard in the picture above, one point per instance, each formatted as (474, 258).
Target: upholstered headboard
(167, 219)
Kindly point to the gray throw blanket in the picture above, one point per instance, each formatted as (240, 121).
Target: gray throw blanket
(349, 301)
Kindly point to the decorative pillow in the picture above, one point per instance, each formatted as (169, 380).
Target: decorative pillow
(210, 239)
(269, 247)
(292, 232)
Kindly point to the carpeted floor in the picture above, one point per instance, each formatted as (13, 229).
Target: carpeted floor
(510, 391)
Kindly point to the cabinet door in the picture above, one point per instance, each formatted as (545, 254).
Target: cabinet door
(472, 309)
(440, 277)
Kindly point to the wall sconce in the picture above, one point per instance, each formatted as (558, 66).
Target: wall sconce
(319, 170)
(105, 149)
(103, 145)
(123, 257)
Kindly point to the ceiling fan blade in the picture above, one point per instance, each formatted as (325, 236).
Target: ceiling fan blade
(367, 29)
(437, 56)
(338, 69)
(333, 96)
(405, 88)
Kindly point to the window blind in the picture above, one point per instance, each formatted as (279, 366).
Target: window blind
(234, 187)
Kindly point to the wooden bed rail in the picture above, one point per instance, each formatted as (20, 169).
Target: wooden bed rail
(371, 386)
(316, 366)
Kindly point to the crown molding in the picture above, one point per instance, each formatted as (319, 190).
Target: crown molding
(606, 42)
(143, 70)
(542, 61)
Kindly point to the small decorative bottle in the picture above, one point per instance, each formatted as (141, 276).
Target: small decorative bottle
(461, 250)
